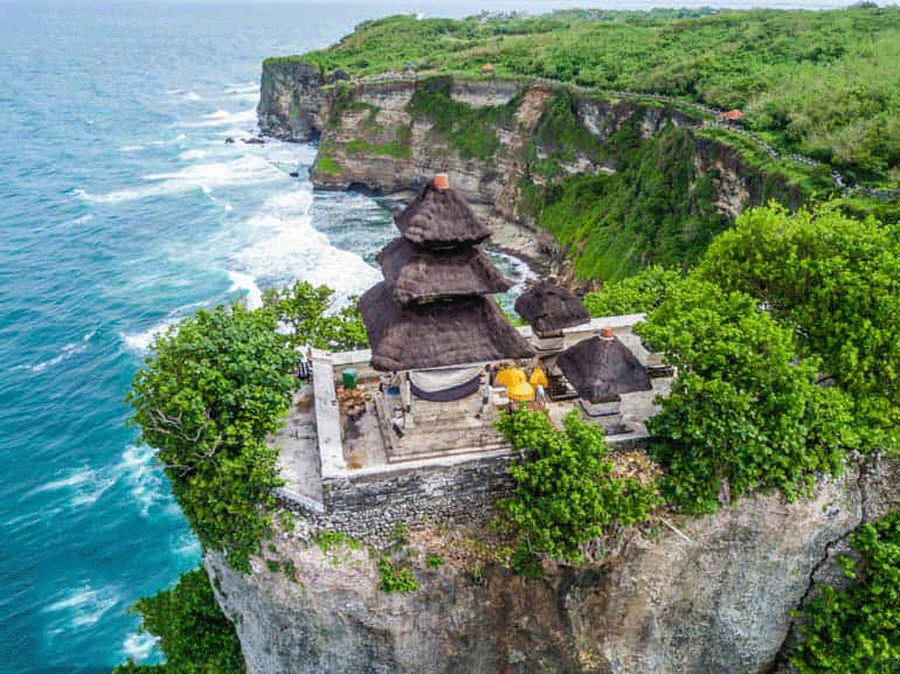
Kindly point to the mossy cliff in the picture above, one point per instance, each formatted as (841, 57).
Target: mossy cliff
(691, 596)
(619, 182)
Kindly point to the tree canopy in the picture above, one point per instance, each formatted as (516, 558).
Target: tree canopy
(214, 387)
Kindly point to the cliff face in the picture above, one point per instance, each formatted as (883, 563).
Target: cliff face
(709, 594)
(377, 138)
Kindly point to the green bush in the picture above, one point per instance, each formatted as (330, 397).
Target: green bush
(396, 578)
(857, 630)
(743, 414)
(565, 493)
(194, 634)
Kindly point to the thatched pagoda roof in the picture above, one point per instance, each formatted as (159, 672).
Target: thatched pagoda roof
(549, 307)
(439, 217)
(437, 334)
(600, 368)
(419, 274)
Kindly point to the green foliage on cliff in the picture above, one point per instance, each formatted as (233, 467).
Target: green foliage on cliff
(820, 83)
(857, 630)
(742, 413)
(566, 492)
(471, 131)
(835, 282)
(214, 388)
(194, 634)
(636, 294)
(655, 209)
(216, 385)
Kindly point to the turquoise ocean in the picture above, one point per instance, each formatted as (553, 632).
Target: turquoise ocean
(122, 209)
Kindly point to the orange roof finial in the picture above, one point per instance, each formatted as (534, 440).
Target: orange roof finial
(442, 181)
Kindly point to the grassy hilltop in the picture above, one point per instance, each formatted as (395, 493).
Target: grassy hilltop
(822, 84)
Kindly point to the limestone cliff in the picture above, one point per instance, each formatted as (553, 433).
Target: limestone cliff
(377, 137)
(710, 594)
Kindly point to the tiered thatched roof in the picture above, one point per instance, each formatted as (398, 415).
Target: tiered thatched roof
(419, 274)
(601, 368)
(439, 218)
(549, 307)
(436, 334)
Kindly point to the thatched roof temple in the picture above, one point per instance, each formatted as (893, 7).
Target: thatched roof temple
(419, 274)
(436, 334)
(432, 309)
(549, 307)
(602, 367)
(439, 217)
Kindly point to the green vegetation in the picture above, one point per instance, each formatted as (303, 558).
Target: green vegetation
(565, 490)
(471, 131)
(325, 164)
(742, 414)
(216, 385)
(214, 388)
(824, 84)
(194, 634)
(857, 630)
(395, 578)
(636, 294)
(835, 282)
(308, 313)
(329, 540)
(655, 209)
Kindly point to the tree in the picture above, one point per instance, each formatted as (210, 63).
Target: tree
(565, 491)
(635, 294)
(742, 414)
(213, 389)
(194, 634)
(836, 282)
(308, 312)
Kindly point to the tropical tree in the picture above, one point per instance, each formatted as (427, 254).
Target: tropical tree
(836, 282)
(206, 398)
(743, 413)
(565, 490)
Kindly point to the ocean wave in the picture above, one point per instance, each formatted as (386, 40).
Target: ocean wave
(192, 154)
(223, 118)
(241, 281)
(132, 148)
(140, 342)
(85, 606)
(144, 477)
(139, 645)
(248, 169)
(84, 486)
(290, 248)
(66, 351)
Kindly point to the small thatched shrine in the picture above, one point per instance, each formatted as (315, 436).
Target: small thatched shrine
(549, 307)
(433, 309)
(602, 368)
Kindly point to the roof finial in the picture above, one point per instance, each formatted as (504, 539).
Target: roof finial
(441, 181)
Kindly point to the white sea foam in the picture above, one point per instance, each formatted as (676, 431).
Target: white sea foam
(224, 118)
(243, 88)
(192, 154)
(192, 96)
(247, 169)
(84, 486)
(143, 475)
(139, 342)
(241, 281)
(85, 606)
(65, 351)
(139, 645)
(132, 148)
(292, 248)
(81, 219)
(187, 545)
